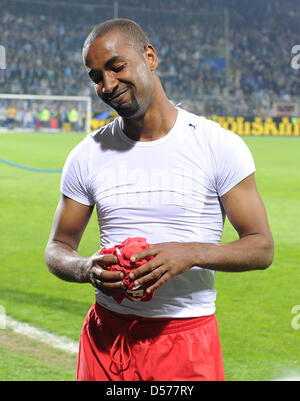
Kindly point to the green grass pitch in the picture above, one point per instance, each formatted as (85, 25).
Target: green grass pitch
(253, 308)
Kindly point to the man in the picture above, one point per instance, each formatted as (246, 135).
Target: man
(169, 176)
(11, 112)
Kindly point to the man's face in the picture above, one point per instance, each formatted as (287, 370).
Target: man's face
(121, 75)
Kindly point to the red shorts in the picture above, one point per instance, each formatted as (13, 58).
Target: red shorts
(126, 347)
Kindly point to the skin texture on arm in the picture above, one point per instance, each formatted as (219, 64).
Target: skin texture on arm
(62, 258)
(61, 255)
(252, 251)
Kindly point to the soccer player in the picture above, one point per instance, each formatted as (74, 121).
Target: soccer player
(164, 174)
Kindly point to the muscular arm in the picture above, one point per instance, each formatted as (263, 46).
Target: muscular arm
(252, 251)
(61, 254)
(62, 258)
(254, 248)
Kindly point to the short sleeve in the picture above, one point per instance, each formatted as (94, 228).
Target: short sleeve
(233, 159)
(75, 176)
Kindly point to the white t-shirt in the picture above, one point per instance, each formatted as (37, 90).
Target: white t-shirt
(164, 190)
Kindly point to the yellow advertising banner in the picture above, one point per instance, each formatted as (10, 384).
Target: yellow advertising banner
(258, 126)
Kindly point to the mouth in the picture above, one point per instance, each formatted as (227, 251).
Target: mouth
(117, 97)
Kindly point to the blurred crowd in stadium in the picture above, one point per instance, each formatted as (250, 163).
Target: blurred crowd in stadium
(43, 43)
(42, 115)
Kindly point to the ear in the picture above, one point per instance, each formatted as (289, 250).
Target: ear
(151, 57)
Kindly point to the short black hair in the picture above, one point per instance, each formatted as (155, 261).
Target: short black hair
(134, 33)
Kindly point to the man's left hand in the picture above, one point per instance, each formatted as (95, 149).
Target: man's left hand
(170, 259)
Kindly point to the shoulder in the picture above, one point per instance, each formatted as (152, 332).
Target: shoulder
(203, 127)
(107, 138)
(225, 153)
(211, 133)
(86, 146)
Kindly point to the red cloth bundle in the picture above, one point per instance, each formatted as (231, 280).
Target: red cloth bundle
(123, 252)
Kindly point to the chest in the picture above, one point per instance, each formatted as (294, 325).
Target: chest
(150, 177)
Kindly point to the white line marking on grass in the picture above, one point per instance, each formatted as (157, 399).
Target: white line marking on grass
(34, 333)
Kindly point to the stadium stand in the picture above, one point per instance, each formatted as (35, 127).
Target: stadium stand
(43, 41)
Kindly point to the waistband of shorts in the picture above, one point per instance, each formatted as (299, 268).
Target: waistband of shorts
(151, 326)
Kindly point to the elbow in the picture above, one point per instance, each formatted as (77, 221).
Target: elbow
(48, 260)
(267, 253)
(49, 256)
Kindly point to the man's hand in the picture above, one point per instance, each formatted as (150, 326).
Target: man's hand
(109, 282)
(170, 259)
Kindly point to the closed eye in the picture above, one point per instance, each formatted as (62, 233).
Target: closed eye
(119, 68)
(96, 76)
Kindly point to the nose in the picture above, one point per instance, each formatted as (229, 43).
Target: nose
(109, 83)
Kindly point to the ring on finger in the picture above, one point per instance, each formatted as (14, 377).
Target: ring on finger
(98, 282)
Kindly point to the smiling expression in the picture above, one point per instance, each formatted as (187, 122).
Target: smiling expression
(122, 76)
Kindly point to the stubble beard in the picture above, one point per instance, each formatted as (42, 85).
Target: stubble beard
(128, 110)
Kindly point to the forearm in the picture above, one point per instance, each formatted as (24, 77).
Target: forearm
(252, 252)
(65, 263)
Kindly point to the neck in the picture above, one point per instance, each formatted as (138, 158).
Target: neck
(155, 123)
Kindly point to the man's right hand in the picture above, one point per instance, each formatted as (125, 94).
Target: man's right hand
(61, 253)
(109, 282)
